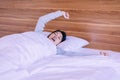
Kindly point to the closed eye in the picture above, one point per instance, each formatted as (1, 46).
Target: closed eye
(58, 36)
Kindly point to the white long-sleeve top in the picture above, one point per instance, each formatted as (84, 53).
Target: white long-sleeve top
(46, 18)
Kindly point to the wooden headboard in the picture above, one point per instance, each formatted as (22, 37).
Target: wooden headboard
(97, 21)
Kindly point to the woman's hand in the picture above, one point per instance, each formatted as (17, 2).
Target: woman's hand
(65, 14)
(104, 53)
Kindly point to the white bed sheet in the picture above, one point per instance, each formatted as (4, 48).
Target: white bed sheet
(75, 67)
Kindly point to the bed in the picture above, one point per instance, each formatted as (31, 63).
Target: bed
(96, 23)
(26, 60)
(70, 67)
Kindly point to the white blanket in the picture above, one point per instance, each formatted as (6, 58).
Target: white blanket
(15, 61)
(21, 50)
(92, 67)
(60, 67)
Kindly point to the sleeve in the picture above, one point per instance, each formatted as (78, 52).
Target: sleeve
(46, 18)
(82, 52)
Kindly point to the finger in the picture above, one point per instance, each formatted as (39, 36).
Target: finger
(100, 53)
(67, 15)
(106, 54)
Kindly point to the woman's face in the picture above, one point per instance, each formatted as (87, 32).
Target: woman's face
(56, 37)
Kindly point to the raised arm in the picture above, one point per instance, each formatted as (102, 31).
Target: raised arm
(46, 18)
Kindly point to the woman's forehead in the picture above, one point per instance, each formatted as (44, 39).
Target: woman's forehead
(59, 33)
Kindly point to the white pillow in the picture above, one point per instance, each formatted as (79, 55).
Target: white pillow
(72, 43)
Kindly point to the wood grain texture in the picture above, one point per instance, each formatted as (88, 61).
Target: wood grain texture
(97, 21)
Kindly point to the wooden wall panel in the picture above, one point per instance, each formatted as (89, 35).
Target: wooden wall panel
(98, 21)
(108, 5)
